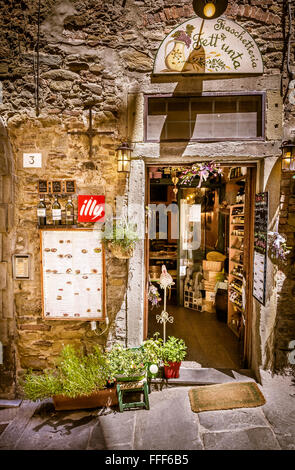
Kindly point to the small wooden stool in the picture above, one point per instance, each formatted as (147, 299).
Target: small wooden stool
(127, 387)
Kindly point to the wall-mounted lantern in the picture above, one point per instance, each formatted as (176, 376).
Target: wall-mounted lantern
(209, 9)
(288, 158)
(124, 157)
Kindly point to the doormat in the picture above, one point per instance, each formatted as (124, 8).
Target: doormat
(225, 396)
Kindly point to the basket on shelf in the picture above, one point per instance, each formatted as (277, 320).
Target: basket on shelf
(215, 256)
(212, 265)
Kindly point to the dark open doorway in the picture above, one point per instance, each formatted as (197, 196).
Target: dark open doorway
(208, 259)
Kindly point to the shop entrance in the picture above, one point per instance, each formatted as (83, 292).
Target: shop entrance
(205, 245)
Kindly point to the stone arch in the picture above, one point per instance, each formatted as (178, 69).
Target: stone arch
(7, 320)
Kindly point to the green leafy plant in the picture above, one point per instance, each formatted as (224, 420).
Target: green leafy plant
(75, 374)
(152, 349)
(126, 361)
(122, 234)
(174, 350)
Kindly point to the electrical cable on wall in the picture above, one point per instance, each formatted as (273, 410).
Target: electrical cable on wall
(93, 327)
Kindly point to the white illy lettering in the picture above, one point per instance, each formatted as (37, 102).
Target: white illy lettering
(92, 208)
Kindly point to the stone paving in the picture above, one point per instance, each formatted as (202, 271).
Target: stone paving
(168, 425)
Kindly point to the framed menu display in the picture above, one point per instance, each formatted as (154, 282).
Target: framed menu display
(73, 274)
(260, 246)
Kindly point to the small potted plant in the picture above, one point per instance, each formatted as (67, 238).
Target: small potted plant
(173, 352)
(126, 364)
(121, 239)
(152, 350)
(78, 381)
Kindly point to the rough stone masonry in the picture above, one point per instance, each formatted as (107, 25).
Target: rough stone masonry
(94, 52)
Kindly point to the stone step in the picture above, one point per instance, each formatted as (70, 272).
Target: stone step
(10, 403)
(204, 376)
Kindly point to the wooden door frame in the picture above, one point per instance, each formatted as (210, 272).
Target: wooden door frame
(249, 260)
(248, 248)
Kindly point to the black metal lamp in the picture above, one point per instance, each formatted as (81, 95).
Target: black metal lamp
(288, 158)
(124, 157)
(209, 9)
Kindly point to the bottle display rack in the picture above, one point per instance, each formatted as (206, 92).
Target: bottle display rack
(236, 268)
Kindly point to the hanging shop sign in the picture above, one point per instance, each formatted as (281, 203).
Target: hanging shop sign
(260, 246)
(91, 208)
(73, 275)
(199, 46)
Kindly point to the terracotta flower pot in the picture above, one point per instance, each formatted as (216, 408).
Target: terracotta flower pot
(107, 397)
(172, 371)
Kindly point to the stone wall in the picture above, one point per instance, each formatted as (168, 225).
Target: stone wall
(7, 318)
(101, 53)
(284, 330)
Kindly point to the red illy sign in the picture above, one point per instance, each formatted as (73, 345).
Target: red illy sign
(91, 208)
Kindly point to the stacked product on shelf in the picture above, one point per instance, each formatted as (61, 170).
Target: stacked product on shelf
(236, 268)
(212, 273)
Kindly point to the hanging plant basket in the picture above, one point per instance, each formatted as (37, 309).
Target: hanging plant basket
(119, 251)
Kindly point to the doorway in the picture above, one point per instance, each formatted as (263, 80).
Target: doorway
(202, 231)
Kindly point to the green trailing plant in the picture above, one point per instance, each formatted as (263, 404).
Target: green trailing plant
(174, 350)
(126, 361)
(121, 234)
(76, 374)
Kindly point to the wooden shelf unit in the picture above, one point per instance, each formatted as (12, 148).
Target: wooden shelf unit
(234, 318)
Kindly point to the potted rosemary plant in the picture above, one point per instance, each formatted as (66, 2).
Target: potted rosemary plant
(78, 381)
(121, 239)
(173, 352)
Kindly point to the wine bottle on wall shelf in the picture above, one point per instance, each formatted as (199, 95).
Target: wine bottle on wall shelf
(56, 212)
(41, 212)
(69, 212)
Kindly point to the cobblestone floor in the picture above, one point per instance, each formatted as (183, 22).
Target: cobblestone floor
(169, 424)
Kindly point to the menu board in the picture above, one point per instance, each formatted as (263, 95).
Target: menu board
(73, 275)
(260, 246)
(70, 187)
(56, 186)
(42, 186)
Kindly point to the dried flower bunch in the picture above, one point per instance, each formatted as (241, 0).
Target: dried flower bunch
(278, 246)
(201, 170)
(154, 296)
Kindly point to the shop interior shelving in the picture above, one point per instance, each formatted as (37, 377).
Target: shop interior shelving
(236, 267)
